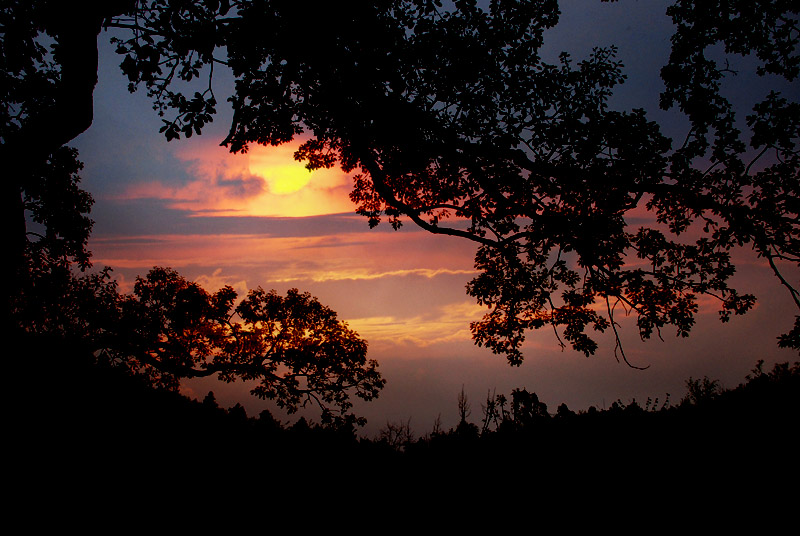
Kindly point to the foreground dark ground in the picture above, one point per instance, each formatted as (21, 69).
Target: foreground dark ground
(73, 421)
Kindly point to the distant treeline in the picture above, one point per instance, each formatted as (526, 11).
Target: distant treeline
(70, 412)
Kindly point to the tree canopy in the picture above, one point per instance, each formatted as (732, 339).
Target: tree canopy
(291, 349)
(293, 346)
(451, 119)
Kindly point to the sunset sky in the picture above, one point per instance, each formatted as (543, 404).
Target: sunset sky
(262, 219)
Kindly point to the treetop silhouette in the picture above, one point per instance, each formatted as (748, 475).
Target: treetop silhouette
(292, 349)
(293, 346)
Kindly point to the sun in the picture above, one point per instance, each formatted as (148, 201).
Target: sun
(278, 168)
(264, 181)
(290, 189)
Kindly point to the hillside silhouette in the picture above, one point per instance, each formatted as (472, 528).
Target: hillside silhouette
(97, 421)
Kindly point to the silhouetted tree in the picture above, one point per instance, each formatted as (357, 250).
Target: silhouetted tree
(238, 413)
(453, 113)
(491, 413)
(295, 347)
(397, 436)
(464, 410)
(526, 409)
(170, 329)
(48, 61)
(210, 401)
(501, 406)
(437, 426)
(52, 300)
(465, 429)
(563, 412)
(700, 391)
(268, 423)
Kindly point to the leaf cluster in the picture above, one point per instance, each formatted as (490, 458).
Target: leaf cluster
(53, 199)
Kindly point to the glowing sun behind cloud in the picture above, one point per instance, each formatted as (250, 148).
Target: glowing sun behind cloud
(266, 181)
(283, 174)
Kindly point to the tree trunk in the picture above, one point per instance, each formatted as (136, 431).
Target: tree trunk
(75, 29)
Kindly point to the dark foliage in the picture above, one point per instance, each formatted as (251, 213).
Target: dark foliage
(445, 115)
(451, 113)
(116, 428)
(728, 445)
(169, 329)
(79, 421)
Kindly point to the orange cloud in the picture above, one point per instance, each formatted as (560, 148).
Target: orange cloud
(445, 324)
(352, 256)
(266, 181)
